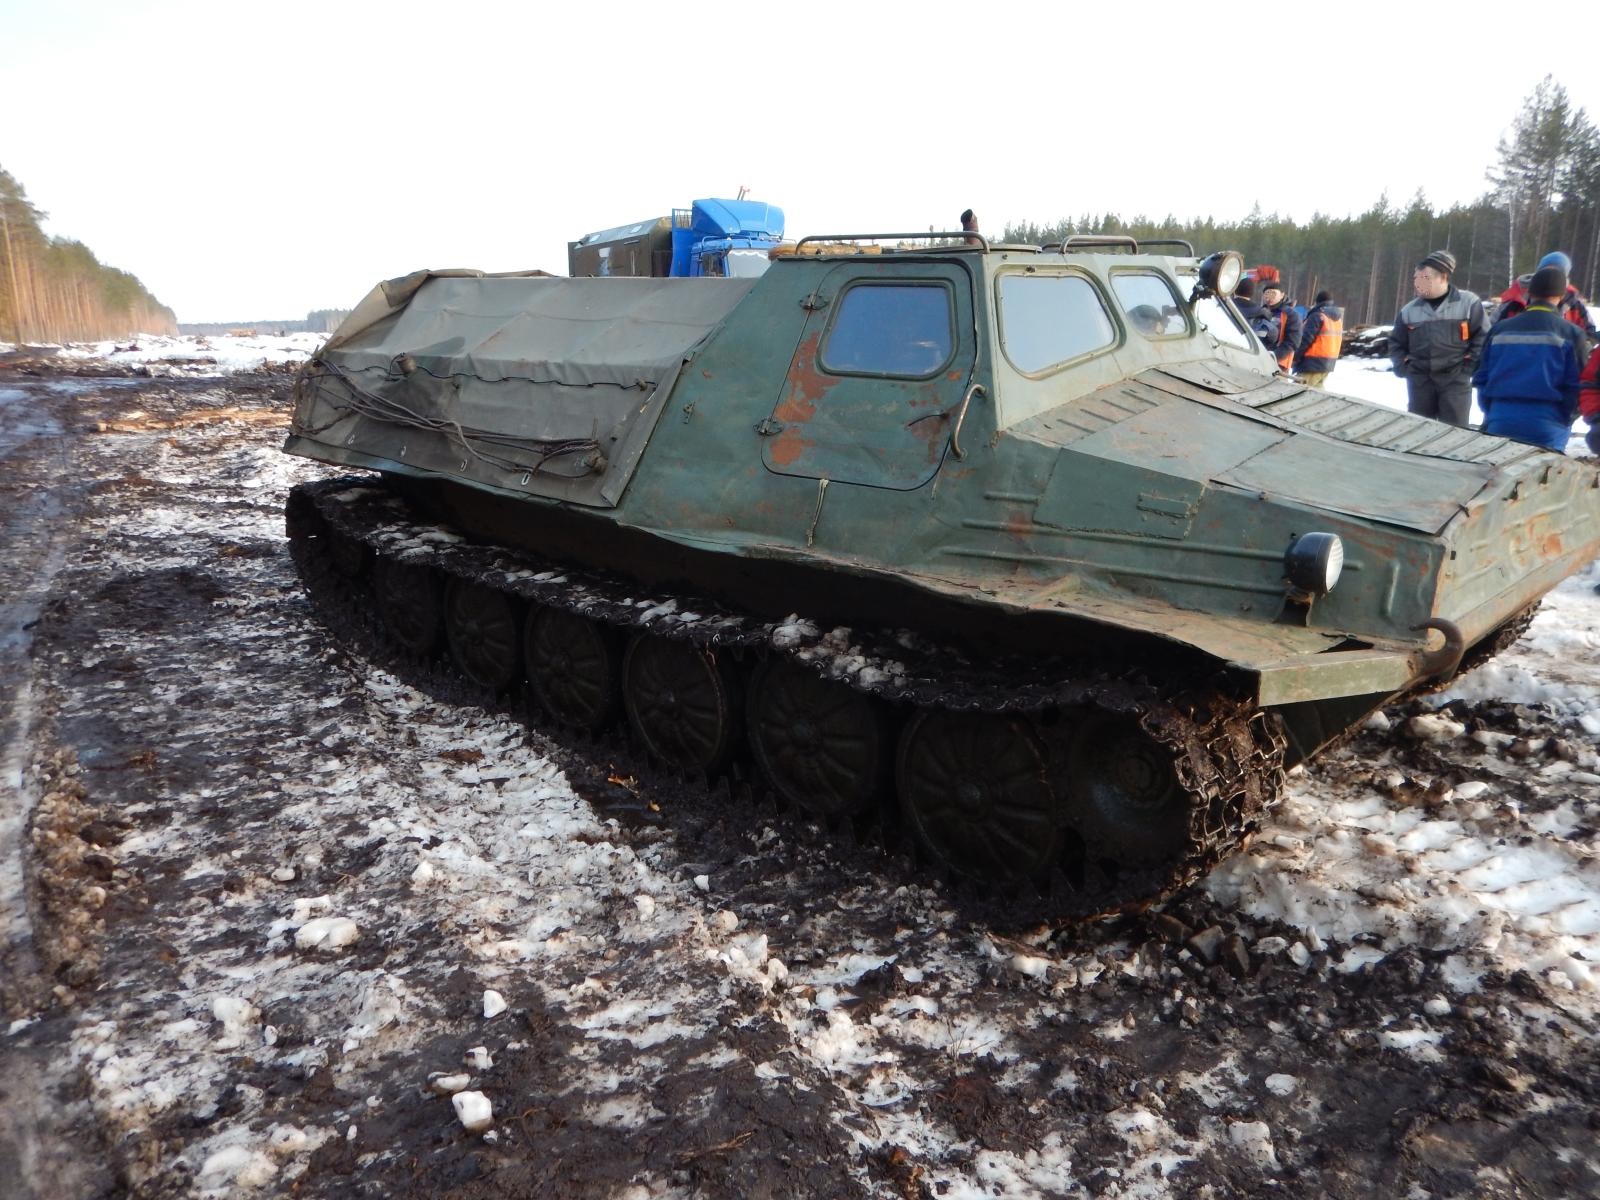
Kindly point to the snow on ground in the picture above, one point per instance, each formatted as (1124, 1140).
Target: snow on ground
(1471, 871)
(340, 867)
(187, 354)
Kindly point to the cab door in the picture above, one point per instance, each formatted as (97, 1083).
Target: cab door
(886, 354)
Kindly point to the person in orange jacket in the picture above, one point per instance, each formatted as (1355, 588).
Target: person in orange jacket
(1318, 350)
(1286, 323)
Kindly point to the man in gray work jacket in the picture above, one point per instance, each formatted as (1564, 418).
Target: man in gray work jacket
(1436, 342)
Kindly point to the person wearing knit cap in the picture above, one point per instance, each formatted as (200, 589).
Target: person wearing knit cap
(1436, 340)
(1528, 378)
(1286, 322)
(1515, 298)
(1320, 342)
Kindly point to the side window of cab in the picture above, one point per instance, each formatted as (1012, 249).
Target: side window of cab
(898, 330)
(1049, 319)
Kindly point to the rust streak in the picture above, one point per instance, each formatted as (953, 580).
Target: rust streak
(788, 446)
(933, 434)
(807, 385)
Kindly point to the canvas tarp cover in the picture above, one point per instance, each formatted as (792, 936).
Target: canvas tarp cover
(529, 383)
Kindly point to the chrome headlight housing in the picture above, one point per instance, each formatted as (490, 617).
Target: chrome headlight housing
(1313, 562)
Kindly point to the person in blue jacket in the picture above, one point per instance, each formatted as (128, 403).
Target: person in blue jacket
(1256, 315)
(1527, 376)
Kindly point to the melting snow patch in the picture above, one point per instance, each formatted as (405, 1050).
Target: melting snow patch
(326, 933)
(473, 1110)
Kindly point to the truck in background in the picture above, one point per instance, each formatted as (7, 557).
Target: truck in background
(730, 238)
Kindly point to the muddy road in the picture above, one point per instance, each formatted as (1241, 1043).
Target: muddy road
(277, 913)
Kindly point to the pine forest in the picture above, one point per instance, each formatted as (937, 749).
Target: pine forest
(1542, 194)
(54, 289)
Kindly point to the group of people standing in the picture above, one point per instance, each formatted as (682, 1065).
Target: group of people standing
(1527, 361)
(1308, 346)
(1533, 359)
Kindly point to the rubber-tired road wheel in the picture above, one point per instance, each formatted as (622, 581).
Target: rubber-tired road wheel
(482, 627)
(410, 600)
(682, 701)
(1125, 796)
(974, 788)
(574, 667)
(822, 745)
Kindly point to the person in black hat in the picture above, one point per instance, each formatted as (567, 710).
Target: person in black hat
(1318, 351)
(1528, 378)
(1286, 322)
(1436, 341)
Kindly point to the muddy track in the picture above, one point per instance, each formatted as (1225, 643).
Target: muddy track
(1226, 759)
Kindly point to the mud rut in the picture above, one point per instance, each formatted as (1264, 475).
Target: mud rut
(183, 733)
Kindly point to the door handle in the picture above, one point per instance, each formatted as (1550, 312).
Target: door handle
(961, 416)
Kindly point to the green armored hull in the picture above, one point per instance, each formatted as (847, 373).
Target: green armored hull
(1104, 571)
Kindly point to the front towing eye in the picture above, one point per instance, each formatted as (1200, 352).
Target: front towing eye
(1442, 663)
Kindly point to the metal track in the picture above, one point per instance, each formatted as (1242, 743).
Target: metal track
(1228, 756)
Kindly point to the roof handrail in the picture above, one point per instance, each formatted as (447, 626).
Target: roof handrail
(1094, 239)
(959, 234)
(1188, 246)
(1079, 240)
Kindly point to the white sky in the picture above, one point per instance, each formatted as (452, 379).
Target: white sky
(259, 161)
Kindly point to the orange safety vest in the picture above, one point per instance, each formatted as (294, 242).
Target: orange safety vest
(1328, 340)
(1285, 353)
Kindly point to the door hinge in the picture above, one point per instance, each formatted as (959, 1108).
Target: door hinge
(813, 302)
(769, 427)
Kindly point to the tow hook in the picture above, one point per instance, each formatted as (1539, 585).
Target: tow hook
(1442, 663)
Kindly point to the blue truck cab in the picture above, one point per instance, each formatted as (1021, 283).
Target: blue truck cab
(712, 237)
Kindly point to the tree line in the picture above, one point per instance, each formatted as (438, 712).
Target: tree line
(1542, 193)
(54, 289)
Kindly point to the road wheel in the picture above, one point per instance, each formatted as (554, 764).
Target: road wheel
(410, 599)
(975, 790)
(682, 701)
(574, 667)
(481, 625)
(1125, 796)
(822, 745)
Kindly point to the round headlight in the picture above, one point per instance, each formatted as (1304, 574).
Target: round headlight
(1313, 562)
(1221, 272)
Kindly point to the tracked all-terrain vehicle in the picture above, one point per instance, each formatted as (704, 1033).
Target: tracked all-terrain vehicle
(1027, 547)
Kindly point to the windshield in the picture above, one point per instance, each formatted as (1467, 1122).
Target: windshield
(1219, 320)
(747, 264)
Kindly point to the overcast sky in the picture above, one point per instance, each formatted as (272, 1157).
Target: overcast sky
(259, 161)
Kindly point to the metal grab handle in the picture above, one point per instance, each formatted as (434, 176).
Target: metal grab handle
(961, 415)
